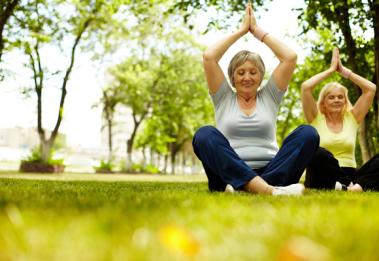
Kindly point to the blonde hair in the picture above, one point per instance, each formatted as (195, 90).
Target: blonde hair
(240, 58)
(326, 90)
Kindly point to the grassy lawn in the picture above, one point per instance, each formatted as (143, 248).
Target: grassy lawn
(129, 217)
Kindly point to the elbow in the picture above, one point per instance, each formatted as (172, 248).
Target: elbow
(371, 90)
(374, 88)
(208, 56)
(304, 86)
(292, 58)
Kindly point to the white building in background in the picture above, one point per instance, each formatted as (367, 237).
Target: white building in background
(19, 138)
(15, 145)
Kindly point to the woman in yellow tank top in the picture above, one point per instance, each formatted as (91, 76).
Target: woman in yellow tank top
(337, 122)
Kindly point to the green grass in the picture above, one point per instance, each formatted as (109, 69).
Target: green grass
(100, 217)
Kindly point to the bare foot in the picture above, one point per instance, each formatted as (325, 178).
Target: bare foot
(355, 188)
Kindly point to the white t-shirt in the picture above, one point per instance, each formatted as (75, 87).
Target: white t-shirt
(252, 137)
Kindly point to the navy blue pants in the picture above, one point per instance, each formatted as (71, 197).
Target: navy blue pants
(223, 166)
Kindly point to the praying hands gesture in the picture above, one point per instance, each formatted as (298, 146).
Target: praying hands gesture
(336, 64)
(249, 23)
(335, 60)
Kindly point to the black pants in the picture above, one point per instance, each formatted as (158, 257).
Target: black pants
(323, 171)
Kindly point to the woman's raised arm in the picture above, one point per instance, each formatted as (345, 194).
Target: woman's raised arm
(308, 102)
(363, 104)
(287, 57)
(213, 54)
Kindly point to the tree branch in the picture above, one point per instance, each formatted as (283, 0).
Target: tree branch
(4, 16)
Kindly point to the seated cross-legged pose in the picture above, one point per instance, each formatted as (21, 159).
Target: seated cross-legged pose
(242, 152)
(337, 121)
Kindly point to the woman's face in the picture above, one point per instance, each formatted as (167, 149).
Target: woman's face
(247, 78)
(334, 101)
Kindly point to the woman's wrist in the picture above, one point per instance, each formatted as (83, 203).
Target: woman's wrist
(346, 73)
(330, 71)
(259, 33)
(241, 32)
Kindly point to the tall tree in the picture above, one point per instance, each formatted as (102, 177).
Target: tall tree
(181, 105)
(63, 24)
(111, 98)
(138, 79)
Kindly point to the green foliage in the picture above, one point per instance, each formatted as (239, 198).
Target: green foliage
(149, 168)
(225, 10)
(56, 24)
(137, 168)
(181, 103)
(105, 167)
(164, 87)
(36, 157)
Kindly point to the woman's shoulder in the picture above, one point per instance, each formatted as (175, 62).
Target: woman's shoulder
(271, 90)
(318, 119)
(350, 117)
(224, 93)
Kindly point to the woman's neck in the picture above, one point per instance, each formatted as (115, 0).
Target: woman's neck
(246, 102)
(334, 117)
(246, 97)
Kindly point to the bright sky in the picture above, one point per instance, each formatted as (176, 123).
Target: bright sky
(82, 122)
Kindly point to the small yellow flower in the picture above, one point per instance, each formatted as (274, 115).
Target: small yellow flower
(178, 240)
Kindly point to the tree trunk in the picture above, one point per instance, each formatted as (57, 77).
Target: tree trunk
(129, 151)
(144, 158)
(173, 160)
(174, 149)
(130, 141)
(184, 161)
(46, 150)
(152, 162)
(375, 18)
(158, 159)
(344, 24)
(165, 164)
(110, 143)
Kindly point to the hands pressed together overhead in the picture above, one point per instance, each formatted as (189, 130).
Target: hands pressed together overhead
(336, 64)
(249, 23)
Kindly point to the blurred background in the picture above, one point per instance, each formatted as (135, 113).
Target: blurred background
(118, 86)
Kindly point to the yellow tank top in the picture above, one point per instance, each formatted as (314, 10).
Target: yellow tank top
(341, 144)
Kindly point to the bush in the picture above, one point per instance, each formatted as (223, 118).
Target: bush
(151, 169)
(105, 167)
(137, 168)
(35, 164)
(35, 157)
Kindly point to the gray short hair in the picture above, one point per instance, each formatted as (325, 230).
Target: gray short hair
(240, 58)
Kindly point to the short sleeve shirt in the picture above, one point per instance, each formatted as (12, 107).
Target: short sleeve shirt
(253, 137)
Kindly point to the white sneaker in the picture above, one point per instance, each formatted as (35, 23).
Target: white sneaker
(340, 186)
(229, 189)
(291, 190)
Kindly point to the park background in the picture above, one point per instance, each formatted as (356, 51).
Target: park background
(75, 73)
(121, 83)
